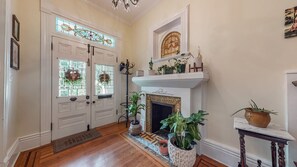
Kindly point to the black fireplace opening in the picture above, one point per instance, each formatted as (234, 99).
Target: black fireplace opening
(160, 112)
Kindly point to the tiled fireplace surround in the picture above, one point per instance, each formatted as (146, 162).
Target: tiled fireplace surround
(175, 102)
(180, 98)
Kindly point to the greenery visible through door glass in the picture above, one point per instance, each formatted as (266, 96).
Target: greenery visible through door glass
(72, 88)
(103, 88)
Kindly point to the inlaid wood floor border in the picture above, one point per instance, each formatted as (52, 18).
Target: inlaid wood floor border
(112, 149)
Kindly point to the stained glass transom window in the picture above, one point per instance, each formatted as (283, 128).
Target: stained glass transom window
(73, 29)
(170, 44)
(104, 79)
(72, 88)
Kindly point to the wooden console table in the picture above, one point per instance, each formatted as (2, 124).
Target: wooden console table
(271, 133)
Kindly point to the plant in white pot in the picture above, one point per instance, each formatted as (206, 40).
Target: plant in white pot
(184, 132)
(134, 109)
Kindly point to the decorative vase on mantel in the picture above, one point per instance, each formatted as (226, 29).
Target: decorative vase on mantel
(151, 72)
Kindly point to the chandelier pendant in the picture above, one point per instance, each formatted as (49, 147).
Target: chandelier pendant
(125, 2)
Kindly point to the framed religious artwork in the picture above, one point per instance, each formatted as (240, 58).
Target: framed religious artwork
(14, 54)
(15, 28)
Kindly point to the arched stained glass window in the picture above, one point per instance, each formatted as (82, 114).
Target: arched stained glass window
(73, 29)
(170, 44)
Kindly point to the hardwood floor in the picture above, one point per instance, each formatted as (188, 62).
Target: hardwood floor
(109, 150)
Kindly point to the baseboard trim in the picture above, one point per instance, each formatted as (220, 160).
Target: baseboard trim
(227, 155)
(10, 152)
(29, 142)
(21, 144)
(45, 137)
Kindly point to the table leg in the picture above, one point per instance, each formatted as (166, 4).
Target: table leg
(242, 151)
(281, 155)
(273, 154)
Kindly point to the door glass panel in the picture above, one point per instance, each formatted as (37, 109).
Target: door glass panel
(75, 85)
(104, 79)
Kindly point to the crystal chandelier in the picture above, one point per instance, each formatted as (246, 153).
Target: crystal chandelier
(125, 2)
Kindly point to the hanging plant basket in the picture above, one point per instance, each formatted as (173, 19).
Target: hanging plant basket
(104, 78)
(72, 76)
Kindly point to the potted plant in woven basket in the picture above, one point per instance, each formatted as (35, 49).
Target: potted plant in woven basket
(184, 132)
(259, 117)
(134, 109)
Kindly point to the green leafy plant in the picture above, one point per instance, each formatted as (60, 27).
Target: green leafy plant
(254, 107)
(180, 64)
(166, 69)
(134, 108)
(184, 130)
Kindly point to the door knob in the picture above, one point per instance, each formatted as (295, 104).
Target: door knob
(94, 102)
(88, 102)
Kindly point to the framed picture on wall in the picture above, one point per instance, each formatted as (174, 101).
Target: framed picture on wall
(14, 54)
(15, 28)
(291, 22)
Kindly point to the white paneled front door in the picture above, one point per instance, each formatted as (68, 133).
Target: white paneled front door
(103, 87)
(88, 101)
(70, 98)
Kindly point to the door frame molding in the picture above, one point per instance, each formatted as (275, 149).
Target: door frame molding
(48, 12)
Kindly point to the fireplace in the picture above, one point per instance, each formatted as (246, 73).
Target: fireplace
(159, 107)
(159, 112)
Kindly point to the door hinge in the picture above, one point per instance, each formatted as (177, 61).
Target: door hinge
(117, 112)
(51, 126)
(89, 62)
(88, 127)
(117, 59)
(52, 46)
(89, 48)
(93, 50)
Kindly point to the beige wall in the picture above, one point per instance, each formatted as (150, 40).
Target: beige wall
(245, 52)
(29, 73)
(12, 78)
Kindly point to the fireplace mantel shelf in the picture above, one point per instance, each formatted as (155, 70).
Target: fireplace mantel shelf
(186, 80)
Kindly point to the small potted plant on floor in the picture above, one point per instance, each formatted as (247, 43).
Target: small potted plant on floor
(184, 132)
(163, 147)
(134, 109)
(259, 117)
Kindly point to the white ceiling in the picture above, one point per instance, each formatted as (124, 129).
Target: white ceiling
(129, 17)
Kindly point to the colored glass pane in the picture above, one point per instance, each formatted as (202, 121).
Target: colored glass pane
(73, 29)
(72, 88)
(103, 87)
